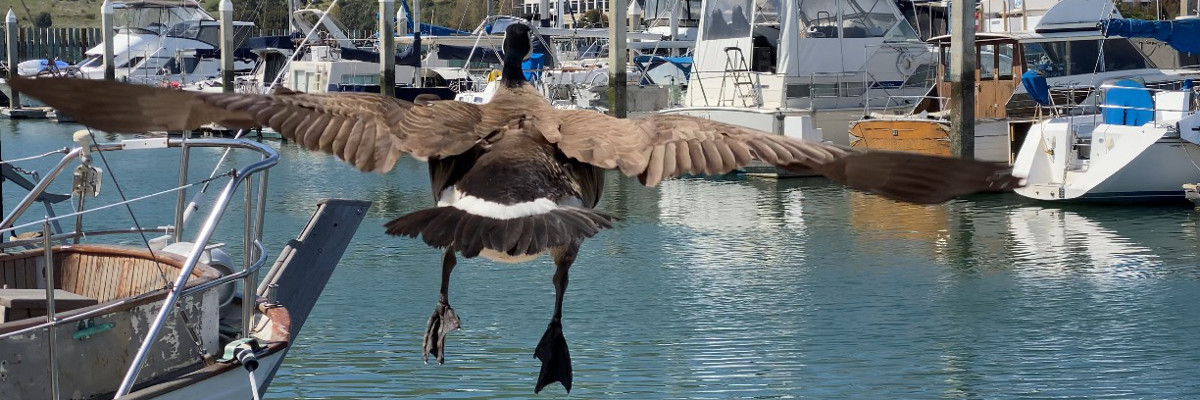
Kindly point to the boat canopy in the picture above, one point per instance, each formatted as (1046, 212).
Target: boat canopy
(835, 33)
(156, 17)
(1180, 34)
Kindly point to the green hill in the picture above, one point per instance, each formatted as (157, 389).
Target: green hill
(64, 13)
(266, 14)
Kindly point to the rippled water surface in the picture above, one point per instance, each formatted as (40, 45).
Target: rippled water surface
(747, 288)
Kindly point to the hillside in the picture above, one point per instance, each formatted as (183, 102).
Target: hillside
(65, 13)
(267, 14)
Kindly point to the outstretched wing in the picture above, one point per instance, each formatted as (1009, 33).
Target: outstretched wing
(663, 146)
(369, 131)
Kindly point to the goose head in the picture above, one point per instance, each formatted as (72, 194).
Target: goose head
(517, 43)
(517, 48)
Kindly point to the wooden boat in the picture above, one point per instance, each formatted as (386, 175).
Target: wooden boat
(155, 320)
(1004, 112)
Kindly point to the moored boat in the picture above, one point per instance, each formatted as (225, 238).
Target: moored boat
(112, 311)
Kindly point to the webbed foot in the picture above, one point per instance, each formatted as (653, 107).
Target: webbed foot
(556, 359)
(443, 320)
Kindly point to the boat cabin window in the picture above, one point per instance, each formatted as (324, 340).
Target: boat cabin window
(172, 65)
(851, 19)
(133, 62)
(903, 32)
(92, 61)
(660, 10)
(987, 61)
(1006, 61)
(186, 29)
(1080, 57)
(996, 61)
(153, 19)
(727, 19)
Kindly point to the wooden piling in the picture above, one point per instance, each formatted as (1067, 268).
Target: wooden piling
(106, 36)
(962, 78)
(387, 49)
(617, 58)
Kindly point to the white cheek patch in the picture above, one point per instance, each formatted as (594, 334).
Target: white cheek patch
(484, 208)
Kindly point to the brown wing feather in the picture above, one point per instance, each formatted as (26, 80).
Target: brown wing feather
(663, 146)
(367, 130)
(119, 107)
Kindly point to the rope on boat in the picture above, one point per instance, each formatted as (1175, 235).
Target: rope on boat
(172, 190)
(63, 150)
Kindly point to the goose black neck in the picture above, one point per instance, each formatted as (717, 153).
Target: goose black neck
(512, 74)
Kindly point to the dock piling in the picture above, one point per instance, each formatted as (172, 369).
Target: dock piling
(962, 78)
(226, 11)
(10, 40)
(387, 48)
(617, 58)
(106, 37)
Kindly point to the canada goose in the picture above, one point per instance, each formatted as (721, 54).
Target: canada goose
(513, 178)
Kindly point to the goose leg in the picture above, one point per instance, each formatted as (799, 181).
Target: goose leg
(444, 319)
(552, 349)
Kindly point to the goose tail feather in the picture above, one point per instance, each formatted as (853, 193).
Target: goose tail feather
(472, 234)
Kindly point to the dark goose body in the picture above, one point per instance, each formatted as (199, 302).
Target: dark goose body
(508, 200)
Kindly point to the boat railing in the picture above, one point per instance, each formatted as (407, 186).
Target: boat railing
(895, 102)
(1159, 108)
(253, 252)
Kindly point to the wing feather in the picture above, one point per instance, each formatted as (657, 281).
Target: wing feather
(670, 165)
(663, 146)
(353, 137)
(332, 123)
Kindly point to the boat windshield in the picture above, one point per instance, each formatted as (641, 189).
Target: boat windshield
(726, 19)
(853, 19)
(154, 19)
(1080, 57)
(661, 10)
(92, 61)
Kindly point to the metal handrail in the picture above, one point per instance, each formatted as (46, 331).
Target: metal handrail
(84, 234)
(252, 246)
(210, 224)
(74, 153)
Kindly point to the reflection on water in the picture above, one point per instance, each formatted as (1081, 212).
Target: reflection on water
(749, 288)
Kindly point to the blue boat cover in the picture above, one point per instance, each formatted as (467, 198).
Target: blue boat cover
(533, 66)
(1133, 107)
(1181, 34)
(1035, 84)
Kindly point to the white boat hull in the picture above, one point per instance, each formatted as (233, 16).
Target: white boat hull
(1117, 163)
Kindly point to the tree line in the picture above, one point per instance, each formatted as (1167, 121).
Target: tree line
(363, 15)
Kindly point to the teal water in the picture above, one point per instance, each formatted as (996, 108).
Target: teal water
(744, 288)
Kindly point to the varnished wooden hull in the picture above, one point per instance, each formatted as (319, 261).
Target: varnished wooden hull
(929, 136)
(917, 136)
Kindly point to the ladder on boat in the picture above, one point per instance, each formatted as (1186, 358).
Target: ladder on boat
(745, 89)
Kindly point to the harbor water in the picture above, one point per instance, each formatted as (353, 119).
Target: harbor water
(740, 288)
